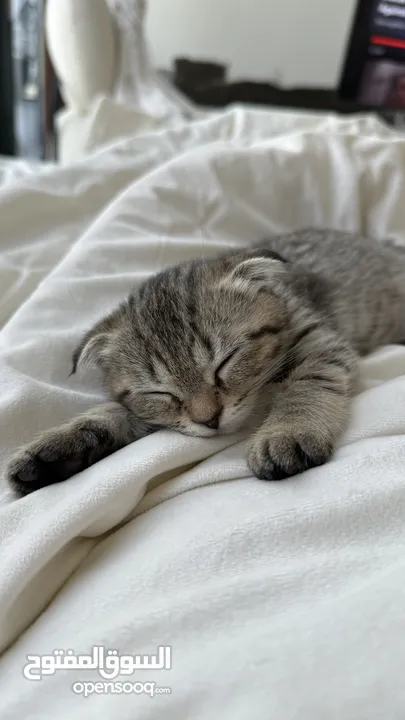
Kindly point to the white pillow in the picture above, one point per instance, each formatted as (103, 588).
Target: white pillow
(82, 44)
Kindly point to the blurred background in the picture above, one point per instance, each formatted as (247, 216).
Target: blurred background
(343, 56)
(292, 42)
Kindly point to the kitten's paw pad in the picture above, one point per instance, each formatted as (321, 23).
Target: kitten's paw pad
(56, 456)
(280, 456)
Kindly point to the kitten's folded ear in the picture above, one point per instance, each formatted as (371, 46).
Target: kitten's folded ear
(90, 350)
(95, 347)
(257, 272)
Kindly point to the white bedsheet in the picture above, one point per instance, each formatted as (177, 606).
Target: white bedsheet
(279, 600)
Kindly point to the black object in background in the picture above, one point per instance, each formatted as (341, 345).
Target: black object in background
(206, 83)
(356, 50)
(7, 137)
(374, 68)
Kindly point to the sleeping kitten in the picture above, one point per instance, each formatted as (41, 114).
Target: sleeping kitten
(201, 346)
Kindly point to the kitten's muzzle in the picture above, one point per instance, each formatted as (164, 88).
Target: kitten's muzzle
(205, 409)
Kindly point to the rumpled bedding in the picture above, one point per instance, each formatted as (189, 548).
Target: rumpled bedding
(277, 600)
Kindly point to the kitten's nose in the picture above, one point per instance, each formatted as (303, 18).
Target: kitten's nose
(213, 423)
(205, 409)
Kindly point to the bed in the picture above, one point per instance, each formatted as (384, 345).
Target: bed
(270, 600)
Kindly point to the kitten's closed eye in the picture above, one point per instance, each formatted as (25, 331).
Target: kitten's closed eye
(221, 366)
(123, 396)
(254, 335)
(265, 330)
(164, 395)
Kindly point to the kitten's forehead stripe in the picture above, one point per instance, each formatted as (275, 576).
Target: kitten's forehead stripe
(202, 337)
(151, 369)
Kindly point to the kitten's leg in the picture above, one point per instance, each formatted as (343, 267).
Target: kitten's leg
(64, 451)
(310, 410)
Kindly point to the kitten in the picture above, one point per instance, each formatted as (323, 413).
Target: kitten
(201, 346)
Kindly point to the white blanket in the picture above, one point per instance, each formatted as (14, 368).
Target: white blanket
(278, 600)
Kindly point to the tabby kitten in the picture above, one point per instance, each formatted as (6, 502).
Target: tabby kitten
(204, 346)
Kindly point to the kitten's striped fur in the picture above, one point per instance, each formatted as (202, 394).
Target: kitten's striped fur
(206, 346)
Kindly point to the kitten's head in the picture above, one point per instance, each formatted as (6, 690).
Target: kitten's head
(195, 345)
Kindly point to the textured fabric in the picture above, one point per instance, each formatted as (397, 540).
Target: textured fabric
(279, 600)
(98, 48)
(137, 83)
(101, 56)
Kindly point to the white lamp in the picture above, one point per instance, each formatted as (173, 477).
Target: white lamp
(82, 43)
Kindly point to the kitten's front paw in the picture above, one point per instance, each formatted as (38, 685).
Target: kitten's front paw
(57, 455)
(278, 455)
